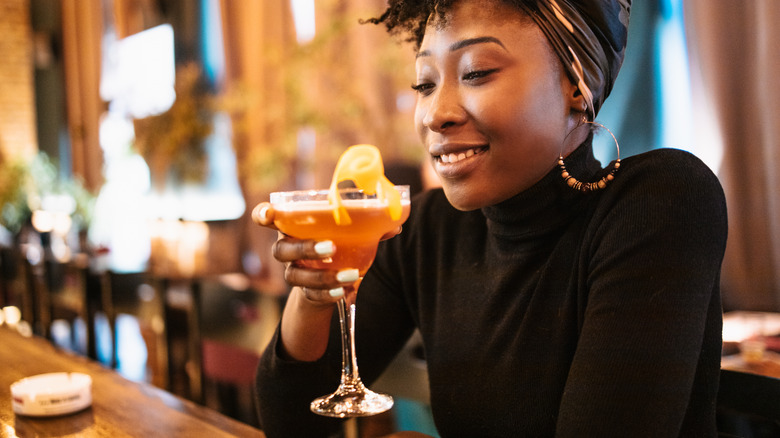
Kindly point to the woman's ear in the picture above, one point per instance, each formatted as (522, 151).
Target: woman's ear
(576, 100)
(577, 106)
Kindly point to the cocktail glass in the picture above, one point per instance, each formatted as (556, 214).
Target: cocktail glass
(307, 214)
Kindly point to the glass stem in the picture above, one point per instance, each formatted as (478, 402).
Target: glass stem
(349, 370)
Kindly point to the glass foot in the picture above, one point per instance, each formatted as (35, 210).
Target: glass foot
(349, 402)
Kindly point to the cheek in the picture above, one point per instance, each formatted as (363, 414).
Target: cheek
(525, 139)
(502, 119)
(536, 117)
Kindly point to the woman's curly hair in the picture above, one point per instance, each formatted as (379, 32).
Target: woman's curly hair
(410, 16)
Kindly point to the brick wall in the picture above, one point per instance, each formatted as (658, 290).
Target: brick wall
(17, 96)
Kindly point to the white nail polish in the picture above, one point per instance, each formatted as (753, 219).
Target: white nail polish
(337, 292)
(348, 275)
(264, 213)
(324, 248)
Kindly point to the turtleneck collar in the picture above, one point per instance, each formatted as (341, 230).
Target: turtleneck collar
(546, 205)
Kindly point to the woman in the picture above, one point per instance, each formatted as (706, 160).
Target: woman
(546, 309)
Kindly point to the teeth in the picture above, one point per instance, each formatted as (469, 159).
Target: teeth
(454, 158)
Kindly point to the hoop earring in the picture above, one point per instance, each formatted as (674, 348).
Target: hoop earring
(596, 185)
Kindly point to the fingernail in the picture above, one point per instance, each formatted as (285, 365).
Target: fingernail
(264, 212)
(260, 213)
(348, 275)
(324, 248)
(337, 292)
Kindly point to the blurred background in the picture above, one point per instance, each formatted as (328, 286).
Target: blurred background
(136, 136)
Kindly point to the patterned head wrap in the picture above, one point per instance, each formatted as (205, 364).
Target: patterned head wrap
(589, 37)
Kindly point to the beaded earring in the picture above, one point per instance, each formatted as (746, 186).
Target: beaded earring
(586, 187)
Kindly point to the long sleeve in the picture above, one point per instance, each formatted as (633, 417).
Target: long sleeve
(651, 324)
(285, 388)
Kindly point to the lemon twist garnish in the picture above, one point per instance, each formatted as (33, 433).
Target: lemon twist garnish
(362, 164)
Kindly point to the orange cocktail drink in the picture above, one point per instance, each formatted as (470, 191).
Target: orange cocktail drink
(355, 220)
(311, 217)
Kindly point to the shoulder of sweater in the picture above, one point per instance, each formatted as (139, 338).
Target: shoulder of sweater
(669, 194)
(666, 180)
(669, 168)
(664, 160)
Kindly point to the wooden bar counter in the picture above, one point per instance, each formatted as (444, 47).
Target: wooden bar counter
(120, 407)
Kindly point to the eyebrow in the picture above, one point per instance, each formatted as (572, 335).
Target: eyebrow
(465, 43)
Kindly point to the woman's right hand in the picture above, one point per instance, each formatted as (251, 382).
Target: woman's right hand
(321, 287)
(307, 313)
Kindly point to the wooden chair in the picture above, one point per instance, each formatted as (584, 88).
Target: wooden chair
(228, 374)
(67, 300)
(748, 405)
(9, 269)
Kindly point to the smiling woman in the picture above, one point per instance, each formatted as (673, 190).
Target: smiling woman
(493, 109)
(544, 310)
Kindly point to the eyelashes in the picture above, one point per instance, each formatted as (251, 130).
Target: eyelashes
(423, 88)
(473, 78)
(478, 74)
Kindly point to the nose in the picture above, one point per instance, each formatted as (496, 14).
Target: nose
(443, 110)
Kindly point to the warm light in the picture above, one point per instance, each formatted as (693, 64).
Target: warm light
(737, 332)
(169, 230)
(43, 221)
(61, 223)
(741, 325)
(54, 214)
(192, 248)
(9, 431)
(12, 315)
(179, 248)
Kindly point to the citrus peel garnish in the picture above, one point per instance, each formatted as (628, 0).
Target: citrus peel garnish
(362, 164)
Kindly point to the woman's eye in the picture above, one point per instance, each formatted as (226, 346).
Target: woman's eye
(478, 74)
(423, 88)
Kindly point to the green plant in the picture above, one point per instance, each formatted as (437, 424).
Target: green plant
(14, 211)
(172, 143)
(25, 185)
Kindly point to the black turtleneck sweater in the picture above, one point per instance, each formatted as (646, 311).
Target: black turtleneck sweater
(554, 313)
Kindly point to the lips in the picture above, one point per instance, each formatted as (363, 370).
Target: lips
(453, 161)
